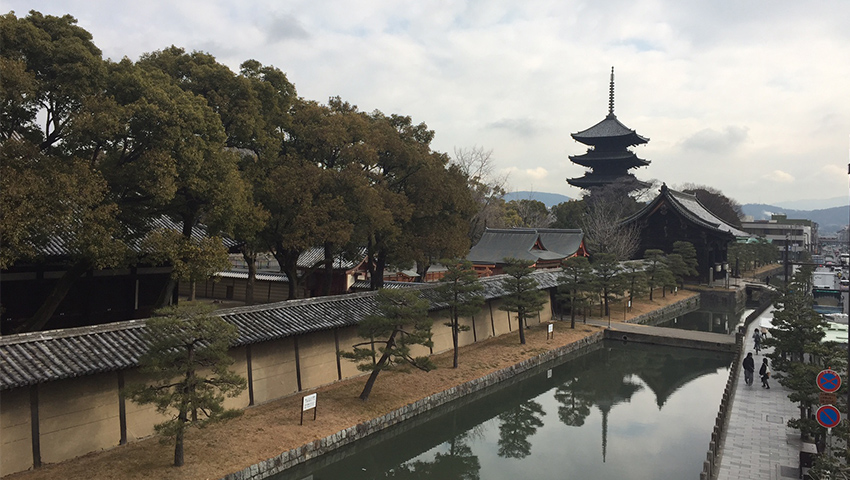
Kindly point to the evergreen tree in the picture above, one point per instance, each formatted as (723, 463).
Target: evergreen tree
(403, 320)
(185, 342)
(522, 293)
(575, 283)
(609, 281)
(461, 291)
(682, 262)
(657, 272)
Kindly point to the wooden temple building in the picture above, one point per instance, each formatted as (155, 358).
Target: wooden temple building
(608, 157)
(544, 247)
(676, 216)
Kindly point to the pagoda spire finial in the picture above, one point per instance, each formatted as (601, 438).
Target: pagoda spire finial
(611, 94)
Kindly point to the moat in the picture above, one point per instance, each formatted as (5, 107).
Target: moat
(616, 411)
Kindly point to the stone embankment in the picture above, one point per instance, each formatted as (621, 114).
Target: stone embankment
(362, 430)
(319, 447)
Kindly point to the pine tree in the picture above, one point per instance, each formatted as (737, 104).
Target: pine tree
(185, 342)
(575, 283)
(403, 320)
(609, 281)
(523, 295)
(461, 291)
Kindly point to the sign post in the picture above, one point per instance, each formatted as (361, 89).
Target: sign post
(307, 403)
(550, 332)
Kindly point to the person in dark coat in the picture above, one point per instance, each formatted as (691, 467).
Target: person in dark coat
(764, 372)
(757, 339)
(749, 368)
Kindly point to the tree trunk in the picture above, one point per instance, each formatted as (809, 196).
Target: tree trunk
(519, 327)
(329, 269)
(367, 389)
(380, 264)
(454, 338)
(45, 312)
(573, 310)
(192, 285)
(251, 260)
(288, 261)
(422, 270)
(178, 442)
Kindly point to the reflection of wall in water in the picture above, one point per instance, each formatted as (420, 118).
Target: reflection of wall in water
(704, 320)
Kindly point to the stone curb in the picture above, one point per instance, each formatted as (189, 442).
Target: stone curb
(321, 446)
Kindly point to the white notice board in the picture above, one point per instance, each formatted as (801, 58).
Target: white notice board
(309, 402)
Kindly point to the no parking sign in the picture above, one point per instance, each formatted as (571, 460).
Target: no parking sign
(828, 380)
(828, 416)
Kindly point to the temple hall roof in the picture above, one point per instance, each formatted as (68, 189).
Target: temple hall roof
(689, 207)
(532, 244)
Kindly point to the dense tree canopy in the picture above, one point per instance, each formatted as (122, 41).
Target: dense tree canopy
(95, 152)
(713, 199)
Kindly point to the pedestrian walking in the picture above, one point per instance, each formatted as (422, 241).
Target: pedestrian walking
(749, 368)
(764, 372)
(757, 340)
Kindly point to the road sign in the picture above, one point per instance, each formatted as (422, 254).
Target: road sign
(828, 380)
(827, 398)
(828, 416)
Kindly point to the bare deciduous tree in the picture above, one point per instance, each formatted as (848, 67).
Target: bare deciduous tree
(606, 207)
(487, 189)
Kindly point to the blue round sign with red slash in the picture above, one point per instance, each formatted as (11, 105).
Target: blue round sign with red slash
(828, 380)
(828, 416)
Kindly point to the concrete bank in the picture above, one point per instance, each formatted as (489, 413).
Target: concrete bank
(362, 430)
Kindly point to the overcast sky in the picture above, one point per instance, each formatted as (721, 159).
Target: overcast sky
(749, 97)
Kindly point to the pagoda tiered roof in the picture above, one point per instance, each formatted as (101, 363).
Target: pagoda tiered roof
(609, 131)
(592, 179)
(622, 159)
(609, 158)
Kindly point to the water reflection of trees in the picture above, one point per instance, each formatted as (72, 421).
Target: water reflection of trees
(605, 378)
(458, 463)
(575, 402)
(516, 425)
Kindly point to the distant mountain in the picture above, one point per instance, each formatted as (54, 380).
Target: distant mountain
(830, 220)
(548, 199)
(814, 204)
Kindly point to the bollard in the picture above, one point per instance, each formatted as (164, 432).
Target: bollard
(712, 448)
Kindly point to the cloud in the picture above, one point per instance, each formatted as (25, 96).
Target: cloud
(712, 141)
(522, 126)
(779, 176)
(286, 27)
(538, 173)
(833, 170)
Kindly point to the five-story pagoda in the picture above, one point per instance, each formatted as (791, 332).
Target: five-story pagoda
(608, 158)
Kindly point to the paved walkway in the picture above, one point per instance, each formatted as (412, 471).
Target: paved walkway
(758, 443)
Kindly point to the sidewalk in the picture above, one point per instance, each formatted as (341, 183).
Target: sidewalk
(758, 443)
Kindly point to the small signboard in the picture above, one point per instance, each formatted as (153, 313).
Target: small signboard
(828, 416)
(307, 403)
(550, 332)
(828, 380)
(827, 398)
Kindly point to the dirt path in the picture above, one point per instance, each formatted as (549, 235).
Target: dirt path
(267, 430)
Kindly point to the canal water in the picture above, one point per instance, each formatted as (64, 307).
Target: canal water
(708, 321)
(616, 411)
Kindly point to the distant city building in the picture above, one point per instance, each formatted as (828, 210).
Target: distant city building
(789, 235)
(608, 157)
